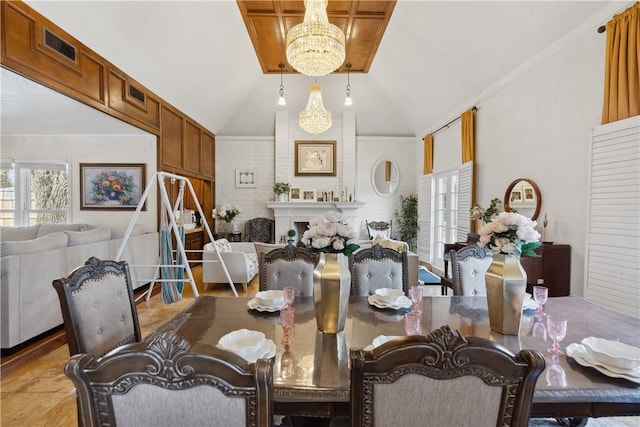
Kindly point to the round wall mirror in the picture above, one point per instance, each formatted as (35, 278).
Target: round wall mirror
(523, 196)
(385, 177)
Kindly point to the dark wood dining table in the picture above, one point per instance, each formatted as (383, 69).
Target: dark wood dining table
(311, 373)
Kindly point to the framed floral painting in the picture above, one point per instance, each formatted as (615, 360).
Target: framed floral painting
(315, 158)
(111, 186)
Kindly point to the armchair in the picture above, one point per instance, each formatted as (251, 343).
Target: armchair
(260, 230)
(239, 257)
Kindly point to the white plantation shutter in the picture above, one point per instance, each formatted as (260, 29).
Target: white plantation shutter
(465, 186)
(612, 264)
(425, 215)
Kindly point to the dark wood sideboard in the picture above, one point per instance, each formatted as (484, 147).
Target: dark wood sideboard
(552, 267)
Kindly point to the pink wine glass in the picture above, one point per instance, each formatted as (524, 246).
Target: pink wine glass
(540, 295)
(415, 293)
(289, 295)
(557, 329)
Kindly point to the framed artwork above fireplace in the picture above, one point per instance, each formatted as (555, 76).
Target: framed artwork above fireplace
(315, 158)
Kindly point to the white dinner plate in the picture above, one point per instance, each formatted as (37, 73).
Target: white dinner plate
(582, 356)
(253, 304)
(404, 302)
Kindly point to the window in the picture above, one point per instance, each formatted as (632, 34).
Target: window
(446, 211)
(34, 192)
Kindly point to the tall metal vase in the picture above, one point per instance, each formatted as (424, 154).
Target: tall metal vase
(331, 288)
(506, 283)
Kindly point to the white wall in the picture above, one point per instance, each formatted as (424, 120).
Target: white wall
(91, 149)
(535, 126)
(273, 159)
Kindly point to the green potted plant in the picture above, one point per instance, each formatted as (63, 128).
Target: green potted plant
(281, 190)
(407, 220)
(291, 236)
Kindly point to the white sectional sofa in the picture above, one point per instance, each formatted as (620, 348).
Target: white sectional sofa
(32, 257)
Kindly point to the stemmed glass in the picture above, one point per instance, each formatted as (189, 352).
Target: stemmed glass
(540, 295)
(557, 329)
(415, 293)
(289, 295)
(287, 320)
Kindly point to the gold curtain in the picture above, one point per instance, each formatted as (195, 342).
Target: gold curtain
(428, 155)
(468, 140)
(622, 78)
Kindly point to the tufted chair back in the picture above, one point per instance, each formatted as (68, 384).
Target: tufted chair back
(489, 384)
(469, 267)
(98, 307)
(161, 383)
(288, 266)
(378, 267)
(260, 230)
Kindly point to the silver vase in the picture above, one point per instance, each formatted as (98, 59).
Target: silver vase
(506, 283)
(331, 288)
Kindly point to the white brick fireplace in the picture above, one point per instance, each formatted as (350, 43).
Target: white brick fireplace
(287, 214)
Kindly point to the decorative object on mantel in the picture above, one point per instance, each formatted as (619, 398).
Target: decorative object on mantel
(509, 236)
(281, 190)
(334, 239)
(315, 118)
(315, 47)
(226, 215)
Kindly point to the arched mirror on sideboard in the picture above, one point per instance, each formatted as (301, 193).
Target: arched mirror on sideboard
(385, 177)
(523, 196)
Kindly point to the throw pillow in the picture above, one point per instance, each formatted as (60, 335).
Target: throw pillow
(223, 245)
(55, 228)
(396, 245)
(45, 243)
(15, 234)
(99, 234)
(118, 232)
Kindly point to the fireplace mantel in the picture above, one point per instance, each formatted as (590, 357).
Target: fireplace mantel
(286, 214)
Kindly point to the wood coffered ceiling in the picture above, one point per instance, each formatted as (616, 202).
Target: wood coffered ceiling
(363, 23)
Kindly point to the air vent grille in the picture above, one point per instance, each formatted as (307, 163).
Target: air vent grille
(136, 94)
(59, 45)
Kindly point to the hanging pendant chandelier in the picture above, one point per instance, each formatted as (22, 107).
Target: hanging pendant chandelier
(315, 119)
(315, 47)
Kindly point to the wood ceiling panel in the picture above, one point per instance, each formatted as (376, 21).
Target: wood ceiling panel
(363, 23)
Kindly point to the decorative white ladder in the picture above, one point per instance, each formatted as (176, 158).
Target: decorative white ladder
(171, 211)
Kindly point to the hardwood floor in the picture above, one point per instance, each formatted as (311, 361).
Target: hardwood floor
(37, 393)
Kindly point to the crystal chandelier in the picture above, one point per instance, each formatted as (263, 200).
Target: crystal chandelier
(281, 100)
(315, 119)
(315, 47)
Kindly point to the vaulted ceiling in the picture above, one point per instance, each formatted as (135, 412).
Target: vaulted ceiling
(435, 59)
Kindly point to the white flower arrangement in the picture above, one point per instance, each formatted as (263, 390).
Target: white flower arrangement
(225, 213)
(510, 233)
(330, 234)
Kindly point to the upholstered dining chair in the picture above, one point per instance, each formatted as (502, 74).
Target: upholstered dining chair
(260, 230)
(288, 266)
(469, 266)
(98, 307)
(159, 382)
(378, 267)
(442, 379)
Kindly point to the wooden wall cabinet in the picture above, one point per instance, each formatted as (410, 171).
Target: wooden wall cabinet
(552, 267)
(38, 49)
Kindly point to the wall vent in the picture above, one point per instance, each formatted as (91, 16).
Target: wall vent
(136, 94)
(59, 45)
